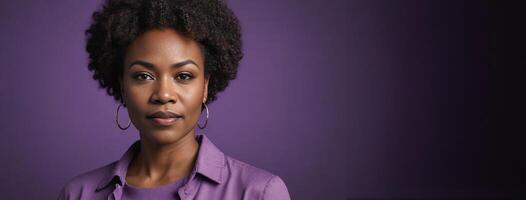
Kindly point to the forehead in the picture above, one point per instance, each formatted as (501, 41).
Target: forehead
(163, 46)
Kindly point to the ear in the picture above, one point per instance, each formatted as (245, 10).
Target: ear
(205, 95)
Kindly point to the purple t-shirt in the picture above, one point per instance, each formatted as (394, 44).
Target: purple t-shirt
(167, 191)
(214, 176)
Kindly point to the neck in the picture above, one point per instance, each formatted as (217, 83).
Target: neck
(161, 163)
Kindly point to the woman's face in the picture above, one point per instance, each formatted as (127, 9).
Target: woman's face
(164, 72)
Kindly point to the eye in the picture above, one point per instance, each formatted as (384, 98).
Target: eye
(184, 76)
(143, 76)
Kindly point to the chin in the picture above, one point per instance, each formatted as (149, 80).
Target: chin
(163, 136)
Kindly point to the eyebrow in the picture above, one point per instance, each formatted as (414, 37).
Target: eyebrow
(151, 66)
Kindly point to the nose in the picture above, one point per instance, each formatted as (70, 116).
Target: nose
(164, 92)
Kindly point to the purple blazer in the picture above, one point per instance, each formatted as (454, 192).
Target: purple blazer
(214, 176)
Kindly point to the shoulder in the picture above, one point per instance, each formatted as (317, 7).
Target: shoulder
(86, 183)
(260, 182)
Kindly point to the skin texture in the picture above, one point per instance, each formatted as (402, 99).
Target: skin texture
(167, 153)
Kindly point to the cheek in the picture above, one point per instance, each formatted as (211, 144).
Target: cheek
(135, 99)
(135, 94)
(192, 98)
(187, 105)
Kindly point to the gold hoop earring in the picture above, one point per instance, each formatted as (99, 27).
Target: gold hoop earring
(206, 121)
(117, 119)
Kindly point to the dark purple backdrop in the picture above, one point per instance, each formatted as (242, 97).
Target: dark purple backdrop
(342, 99)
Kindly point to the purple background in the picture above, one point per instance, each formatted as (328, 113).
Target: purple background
(342, 99)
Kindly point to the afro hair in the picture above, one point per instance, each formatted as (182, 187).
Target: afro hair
(119, 22)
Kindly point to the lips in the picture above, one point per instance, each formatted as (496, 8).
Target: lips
(164, 118)
(164, 115)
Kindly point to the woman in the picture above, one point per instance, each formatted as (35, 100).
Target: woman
(165, 60)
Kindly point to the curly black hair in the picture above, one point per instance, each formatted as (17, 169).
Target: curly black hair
(119, 22)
